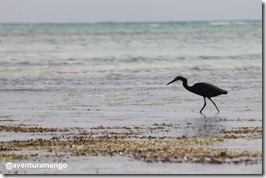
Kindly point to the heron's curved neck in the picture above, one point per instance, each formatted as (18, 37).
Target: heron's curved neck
(185, 84)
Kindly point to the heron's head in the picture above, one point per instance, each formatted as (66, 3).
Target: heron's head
(176, 79)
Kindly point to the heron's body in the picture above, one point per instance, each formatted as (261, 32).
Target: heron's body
(205, 90)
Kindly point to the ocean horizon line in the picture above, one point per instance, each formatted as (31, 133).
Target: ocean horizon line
(130, 22)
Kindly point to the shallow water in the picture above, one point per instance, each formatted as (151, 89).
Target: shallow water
(88, 75)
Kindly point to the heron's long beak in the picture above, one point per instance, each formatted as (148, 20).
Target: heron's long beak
(171, 82)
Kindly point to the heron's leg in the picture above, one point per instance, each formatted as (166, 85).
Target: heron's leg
(204, 104)
(214, 104)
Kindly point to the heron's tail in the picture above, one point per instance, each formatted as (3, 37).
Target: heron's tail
(224, 91)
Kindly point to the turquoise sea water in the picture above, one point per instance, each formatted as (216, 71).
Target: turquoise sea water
(122, 67)
(42, 56)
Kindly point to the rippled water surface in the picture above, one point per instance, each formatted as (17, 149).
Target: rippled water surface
(127, 65)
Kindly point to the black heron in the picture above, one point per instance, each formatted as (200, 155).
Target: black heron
(203, 89)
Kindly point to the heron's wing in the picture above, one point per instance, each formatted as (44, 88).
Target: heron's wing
(207, 90)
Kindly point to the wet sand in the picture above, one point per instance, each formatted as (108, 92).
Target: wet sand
(44, 127)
